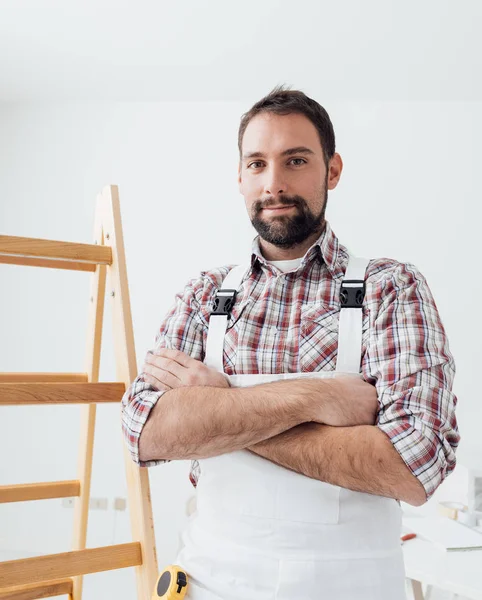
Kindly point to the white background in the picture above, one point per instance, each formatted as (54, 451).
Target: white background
(149, 97)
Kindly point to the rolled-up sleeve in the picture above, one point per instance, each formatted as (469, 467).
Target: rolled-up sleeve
(409, 360)
(182, 330)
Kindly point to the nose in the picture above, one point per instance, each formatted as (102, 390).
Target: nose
(274, 182)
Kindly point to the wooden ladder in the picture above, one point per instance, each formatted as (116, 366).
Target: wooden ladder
(58, 574)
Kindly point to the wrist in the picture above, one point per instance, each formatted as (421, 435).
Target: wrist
(306, 397)
(318, 395)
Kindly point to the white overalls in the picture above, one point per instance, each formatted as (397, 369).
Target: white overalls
(263, 532)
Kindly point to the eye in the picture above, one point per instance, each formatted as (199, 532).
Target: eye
(254, 163)
(257, 162)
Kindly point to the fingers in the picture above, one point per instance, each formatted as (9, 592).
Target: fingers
(156, 384)
(175, 369)
(177, 356)
(169, 365)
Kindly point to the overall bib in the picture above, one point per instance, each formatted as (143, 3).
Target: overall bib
(264, 532)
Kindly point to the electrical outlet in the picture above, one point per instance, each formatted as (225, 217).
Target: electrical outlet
(94, 503)
(475, 491)
(98, 504)
(120, 503)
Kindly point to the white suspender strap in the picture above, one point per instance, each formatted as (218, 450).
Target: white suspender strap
(350, 324)
(219, 322)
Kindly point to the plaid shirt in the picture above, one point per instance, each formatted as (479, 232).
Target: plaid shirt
(288, 322)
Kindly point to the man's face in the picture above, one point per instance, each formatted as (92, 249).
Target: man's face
(283, 178)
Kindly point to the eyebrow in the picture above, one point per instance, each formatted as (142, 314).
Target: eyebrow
(288, 152)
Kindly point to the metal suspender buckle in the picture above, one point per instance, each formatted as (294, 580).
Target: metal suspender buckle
(352, 293)
(224, 302)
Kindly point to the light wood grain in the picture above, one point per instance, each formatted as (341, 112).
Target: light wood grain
(39, 491)
(68, 564)
(46, 589)
(88, 416)
(140, 506)
(38, 248)
(60, 393)
(46, 574)
(28, 261)
(43, 377)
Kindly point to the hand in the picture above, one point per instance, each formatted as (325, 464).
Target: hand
(346, 401)
(166, 369)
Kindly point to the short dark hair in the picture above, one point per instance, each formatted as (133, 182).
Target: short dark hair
(284, 102)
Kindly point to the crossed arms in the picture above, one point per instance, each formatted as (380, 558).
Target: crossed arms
(282, 422)
(394, 436)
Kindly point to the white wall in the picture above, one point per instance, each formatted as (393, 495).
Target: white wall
(410, 190)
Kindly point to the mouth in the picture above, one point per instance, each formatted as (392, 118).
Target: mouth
(277, 209)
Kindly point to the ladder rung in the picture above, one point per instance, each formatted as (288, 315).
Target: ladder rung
(16, 247)
(44, 377)
(39, 491)
(69, 564)
(27, 261)
(60, 393)
(45, 589)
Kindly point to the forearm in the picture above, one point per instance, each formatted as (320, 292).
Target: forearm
(360, 458)
(199, 422)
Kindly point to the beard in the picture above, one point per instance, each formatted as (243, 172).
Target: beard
(288, 230)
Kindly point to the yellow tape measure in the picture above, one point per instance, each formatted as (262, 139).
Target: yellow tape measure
(171, 585)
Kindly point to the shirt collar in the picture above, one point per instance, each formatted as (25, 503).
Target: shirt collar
(326, 247)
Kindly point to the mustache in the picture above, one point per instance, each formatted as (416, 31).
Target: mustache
(260, 205)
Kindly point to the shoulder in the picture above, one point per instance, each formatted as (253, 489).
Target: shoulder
(387, 278)
(386, 269)
(386, 273)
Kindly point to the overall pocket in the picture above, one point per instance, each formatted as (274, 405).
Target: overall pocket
(242, 483)
(304, 500)
(271, 491)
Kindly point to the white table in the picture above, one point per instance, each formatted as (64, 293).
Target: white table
(459, 572)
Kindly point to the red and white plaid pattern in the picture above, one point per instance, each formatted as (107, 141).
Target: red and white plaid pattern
(289, 323)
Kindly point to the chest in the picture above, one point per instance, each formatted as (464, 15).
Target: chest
(284, 325)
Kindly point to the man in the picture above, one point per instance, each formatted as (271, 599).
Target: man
(310, 400)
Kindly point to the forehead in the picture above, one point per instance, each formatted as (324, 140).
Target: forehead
(271, 133)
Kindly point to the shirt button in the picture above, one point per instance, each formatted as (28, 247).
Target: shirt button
(273, 330)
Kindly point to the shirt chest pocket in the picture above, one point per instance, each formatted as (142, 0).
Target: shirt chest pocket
(319, 327)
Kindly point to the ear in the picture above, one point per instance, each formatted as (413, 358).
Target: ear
(335, 167)
(240, 179)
